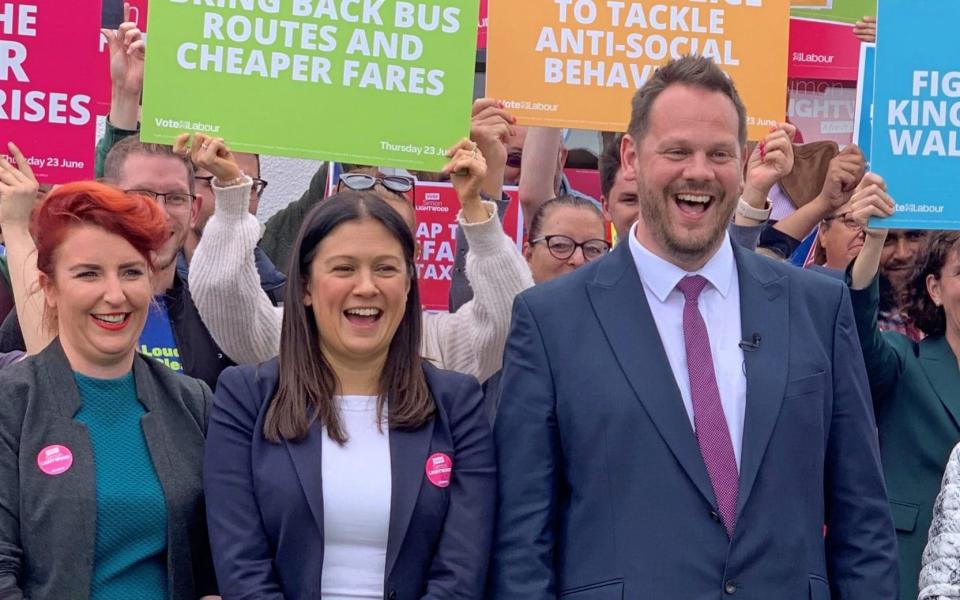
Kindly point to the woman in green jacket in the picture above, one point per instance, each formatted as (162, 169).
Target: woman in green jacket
(915, 386)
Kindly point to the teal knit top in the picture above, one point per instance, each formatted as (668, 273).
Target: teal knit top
(130, 554)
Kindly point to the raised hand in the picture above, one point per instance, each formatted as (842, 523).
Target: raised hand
(18, 190)
(127, 52)
(871, 199)
(866, 29)
(467, 168)
(490, 126)
(843, 175)
(772, 159)
(209, 153)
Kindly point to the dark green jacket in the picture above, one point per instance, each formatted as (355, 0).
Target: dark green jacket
(111, 136)
(916, 395)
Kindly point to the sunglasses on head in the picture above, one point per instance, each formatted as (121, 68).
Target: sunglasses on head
(399, 184)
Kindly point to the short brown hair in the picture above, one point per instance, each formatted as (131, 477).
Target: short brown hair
(918, 306)
(694, 71)
(127, 147)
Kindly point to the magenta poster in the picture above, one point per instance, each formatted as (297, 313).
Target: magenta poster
(46, 91)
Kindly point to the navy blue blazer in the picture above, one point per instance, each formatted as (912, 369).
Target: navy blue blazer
(603, 492)
(265, 500)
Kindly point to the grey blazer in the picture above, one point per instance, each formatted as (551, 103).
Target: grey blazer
(48, 522)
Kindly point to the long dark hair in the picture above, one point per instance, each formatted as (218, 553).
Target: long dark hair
(308, 383)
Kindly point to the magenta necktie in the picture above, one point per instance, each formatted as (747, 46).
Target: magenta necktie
(712, 432)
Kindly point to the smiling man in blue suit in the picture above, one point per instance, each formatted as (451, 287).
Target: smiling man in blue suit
(683, 418)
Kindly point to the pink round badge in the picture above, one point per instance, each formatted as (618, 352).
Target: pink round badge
(439, 469)
(55, 459)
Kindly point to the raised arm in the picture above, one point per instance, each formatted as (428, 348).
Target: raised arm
(883, 364)
(844, 174)
(471, 340)
(490, 126)
(538, 170)
(223, 274)
(18, 196)
(127, 52)
(771, 161)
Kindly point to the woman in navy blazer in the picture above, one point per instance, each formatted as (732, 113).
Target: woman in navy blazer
(348, 466)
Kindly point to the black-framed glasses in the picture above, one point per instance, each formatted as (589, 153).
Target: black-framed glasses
(169, 199)
(398, 184)
(562, 247)
(258, 184)
(847, 219)
(514, 159)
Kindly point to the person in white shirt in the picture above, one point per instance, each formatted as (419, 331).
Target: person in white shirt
(349, 466)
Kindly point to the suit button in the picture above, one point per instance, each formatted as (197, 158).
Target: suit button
(715, 516)
(730, 587)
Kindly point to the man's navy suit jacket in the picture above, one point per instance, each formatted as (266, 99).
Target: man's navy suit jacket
(603, 492)
(265, 500)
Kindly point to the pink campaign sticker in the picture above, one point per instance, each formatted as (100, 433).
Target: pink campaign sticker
(439, 469)
(55, 459)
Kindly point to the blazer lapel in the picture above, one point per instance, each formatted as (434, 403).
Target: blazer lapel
(60, 391)
(306, 457)
(763, 312)
(621, 307)
(408, 459)
(940, 366)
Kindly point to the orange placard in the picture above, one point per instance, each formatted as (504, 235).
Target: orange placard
(577, 63)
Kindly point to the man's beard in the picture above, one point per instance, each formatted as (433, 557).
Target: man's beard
(653, 210)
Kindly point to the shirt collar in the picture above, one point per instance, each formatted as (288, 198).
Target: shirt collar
(662, 276)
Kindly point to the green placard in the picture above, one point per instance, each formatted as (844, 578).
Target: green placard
(374, 82)
(841, 11)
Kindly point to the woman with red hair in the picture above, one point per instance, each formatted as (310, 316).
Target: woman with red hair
(100, 448)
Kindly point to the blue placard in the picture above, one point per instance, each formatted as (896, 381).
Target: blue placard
(863, 121)
(916, 125)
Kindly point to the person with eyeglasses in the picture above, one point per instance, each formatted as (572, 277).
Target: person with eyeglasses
(469, 341)
(839, 241)
(565, 233)
(174, 333)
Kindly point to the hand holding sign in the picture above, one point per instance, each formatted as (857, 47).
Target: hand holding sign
(871, 200)
(844, 174)
(127, 48)
(490, 127)
(18, 190)
(209, 153)
(866, 30)
(467, 168)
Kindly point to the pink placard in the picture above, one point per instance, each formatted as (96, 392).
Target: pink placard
(46, 92)
(437, 206)
(482, 26)
(823, 50)
(102, 97)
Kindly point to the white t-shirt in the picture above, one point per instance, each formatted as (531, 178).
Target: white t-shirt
(356, 504)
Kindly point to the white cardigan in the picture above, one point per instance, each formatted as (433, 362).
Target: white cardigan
(940, 575)
(226, 289)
